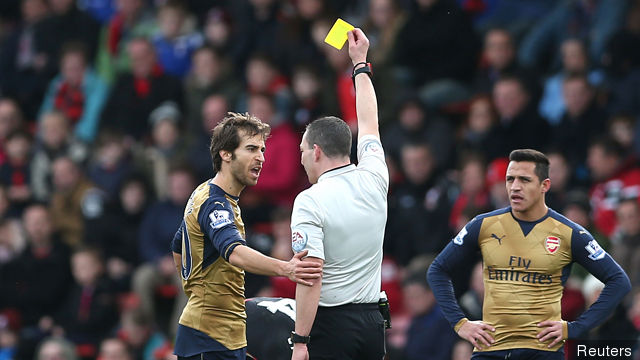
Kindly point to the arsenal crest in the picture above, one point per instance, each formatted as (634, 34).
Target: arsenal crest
(552, 244)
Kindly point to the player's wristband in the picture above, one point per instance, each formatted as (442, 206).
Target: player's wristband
(299, 339)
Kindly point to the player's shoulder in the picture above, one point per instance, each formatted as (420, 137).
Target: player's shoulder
(566, 222)
(495, 214)
(310, 195)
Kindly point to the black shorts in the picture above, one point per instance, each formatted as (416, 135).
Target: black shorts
(519, 354)
(347, 332)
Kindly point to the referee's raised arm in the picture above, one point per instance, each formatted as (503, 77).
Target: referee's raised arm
(366, 102)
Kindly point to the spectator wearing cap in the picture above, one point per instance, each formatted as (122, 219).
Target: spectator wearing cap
(166, 146)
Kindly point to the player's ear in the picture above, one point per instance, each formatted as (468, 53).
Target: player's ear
(546, 185)
(225, 155)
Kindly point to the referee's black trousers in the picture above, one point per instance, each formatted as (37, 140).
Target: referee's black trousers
(347, 332)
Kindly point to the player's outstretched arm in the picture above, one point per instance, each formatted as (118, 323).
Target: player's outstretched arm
(296, 269)
(366, 102)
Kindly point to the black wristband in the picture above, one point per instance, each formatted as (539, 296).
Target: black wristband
(299, 339)
(365, 69)
(360, 63)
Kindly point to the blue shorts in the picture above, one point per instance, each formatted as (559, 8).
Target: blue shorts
(239, 354)
(519, 354)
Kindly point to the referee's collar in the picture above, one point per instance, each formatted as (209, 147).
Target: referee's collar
(336, 171)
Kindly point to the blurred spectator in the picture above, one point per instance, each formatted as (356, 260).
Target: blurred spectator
(74, 200)
(582, 121)
(481, 129)
(339, 82)
(10, 120)
(419, 207)
(112, 161)
(416, 124)
(578, 210)
(139, 334)
(560, 173)
(264, 78)
(218, 33)
(214, 109)
(473, 189)
(12, 241)
(56, 349)
(39, 278)
(130, 21)
(61, 27)
(89, 311)
(471, 301)
(77, 92)
(54, 139)
(258, 28)
(281, 176)
(429, 332)
(114, 349)
(310, 101)
(384, 21)
(101, 10)
(14, 172)
(166, 146)
(119, 244)
(613, 179)
(625, 241)
(175, 43)
(436, 30)
(622, 129)
(499, 57)
(575, 61)
(622, 61)
(281, 249)
(516, 117)
(210, 74)
(22, 66)
(8, 343)
(158, 227)
(136, 93)
(496, 179)
(595, 21)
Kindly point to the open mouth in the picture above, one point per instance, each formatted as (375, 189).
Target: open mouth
(255, 171)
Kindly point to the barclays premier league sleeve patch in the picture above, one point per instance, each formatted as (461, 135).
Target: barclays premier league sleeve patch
(595, 251)
(219, 218)
(298, 240)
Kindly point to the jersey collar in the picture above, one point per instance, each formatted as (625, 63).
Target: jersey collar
(336, 171)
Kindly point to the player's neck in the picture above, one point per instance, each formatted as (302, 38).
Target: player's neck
(228, 183)
(534, 213)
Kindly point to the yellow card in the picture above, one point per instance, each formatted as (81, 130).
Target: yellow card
(338, 34)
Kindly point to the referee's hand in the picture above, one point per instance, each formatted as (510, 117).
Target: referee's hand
(302, 271)
(477, 333)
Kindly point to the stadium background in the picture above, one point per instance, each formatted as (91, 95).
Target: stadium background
(103, 135)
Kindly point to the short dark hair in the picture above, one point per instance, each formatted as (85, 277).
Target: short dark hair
(539, 159)
(331, 134)
(226, 135)
(609, 146)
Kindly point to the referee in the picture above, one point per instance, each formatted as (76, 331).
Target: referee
(340, 220)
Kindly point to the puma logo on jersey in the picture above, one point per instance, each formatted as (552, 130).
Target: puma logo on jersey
(494, 236)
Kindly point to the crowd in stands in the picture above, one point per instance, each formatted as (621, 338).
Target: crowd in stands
(106, 111)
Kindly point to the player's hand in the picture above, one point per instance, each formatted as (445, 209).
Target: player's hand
(358, 46)
(552, 330)
(301, 271)
(477, 333)
(300, 352)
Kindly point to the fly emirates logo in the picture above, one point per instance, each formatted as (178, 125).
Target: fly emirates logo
(518, 271)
